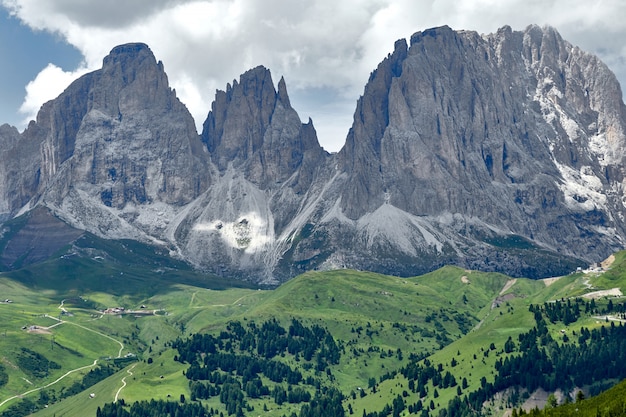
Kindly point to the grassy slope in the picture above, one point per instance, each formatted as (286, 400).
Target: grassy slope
(513, 318)
(359, 299)
(387, 310)
(609, 403)
(93, 274)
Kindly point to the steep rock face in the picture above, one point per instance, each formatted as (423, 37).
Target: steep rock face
(253, 128)
(130, 143)
(267, 161)
(19, 170)
(361, 155)
(115, 139)
(498, 152)
(136, 142)
(512, 133)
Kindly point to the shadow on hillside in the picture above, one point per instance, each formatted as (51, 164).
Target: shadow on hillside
(119, 268)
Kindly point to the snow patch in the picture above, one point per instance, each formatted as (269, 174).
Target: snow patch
(248, 232)
(599, 146)
(582, 189)
(548, 96)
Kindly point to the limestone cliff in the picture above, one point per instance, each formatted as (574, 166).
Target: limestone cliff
(509, 134)
(499, 152)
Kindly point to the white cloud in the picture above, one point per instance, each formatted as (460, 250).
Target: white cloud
(324, 48)
(48, 84)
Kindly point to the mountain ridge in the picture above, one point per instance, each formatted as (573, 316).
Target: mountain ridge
(499, 152)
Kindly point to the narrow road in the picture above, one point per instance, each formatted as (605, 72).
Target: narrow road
(611, 318)
(239, 299)
(50, 384)
(129, 371)
(508, 285)
(119, 353)
(226, 305)
(59, 322)
(504, 289)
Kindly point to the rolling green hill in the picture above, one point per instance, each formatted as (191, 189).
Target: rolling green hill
(62, 355)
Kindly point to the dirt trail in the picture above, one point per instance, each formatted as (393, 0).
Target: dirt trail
(613, 292)
(130, 373)
(59, 322)
(227, 305)
(119, 353)
(499, 299)
(50, 384)
(508, 285)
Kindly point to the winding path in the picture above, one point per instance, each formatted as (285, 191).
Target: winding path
(223, 305)
(504, 289)
(119, 353)
(508, 285)
(129, 371)
(59, 322)
(50, 384)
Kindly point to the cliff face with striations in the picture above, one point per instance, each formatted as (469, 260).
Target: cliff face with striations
(499, 152)
(511, 134)
(253, 128)
(116, 139)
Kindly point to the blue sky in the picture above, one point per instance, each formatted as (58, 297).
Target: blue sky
(24, 54)
(325, 49)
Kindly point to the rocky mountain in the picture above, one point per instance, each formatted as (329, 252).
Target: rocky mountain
(498, 152)
(483, 137)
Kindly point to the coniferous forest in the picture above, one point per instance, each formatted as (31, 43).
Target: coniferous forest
(540, 361)
(240, 363)
(476, 351)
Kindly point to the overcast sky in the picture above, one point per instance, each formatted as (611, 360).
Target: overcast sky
(325, 49)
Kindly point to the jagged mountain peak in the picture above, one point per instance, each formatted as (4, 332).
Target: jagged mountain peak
(502, 128)
(116, 138)
(282, 93)
(132, 51)
(362, 150)
(239, 116)
(126, 58)
(499, 152)
(252, 126)
(442, 32)
(9, 135)
(131, 80)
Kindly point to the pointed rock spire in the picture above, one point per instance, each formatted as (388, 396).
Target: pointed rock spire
(248, 129)
(282, 93)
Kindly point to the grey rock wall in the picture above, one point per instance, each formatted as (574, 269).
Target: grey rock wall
(498, 152)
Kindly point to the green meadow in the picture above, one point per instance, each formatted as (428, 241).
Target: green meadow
(53, 329)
